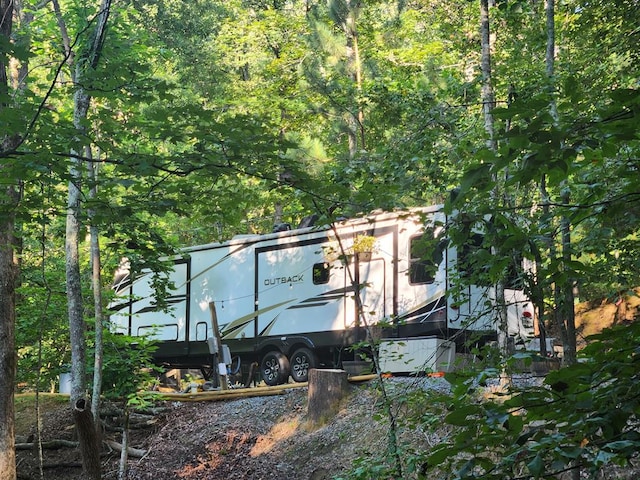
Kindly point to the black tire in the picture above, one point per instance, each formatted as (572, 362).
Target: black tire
(236, 363)
(274, 368)
(302, 360)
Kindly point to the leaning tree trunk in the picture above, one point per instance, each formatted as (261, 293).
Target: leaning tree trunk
(96, 283)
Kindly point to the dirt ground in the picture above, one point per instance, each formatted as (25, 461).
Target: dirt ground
(251, 438)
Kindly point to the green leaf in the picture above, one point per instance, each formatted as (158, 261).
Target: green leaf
(622, 445)
(440, 454)
(460, 416)
(514, 423)
(536, 466)
(570, 452)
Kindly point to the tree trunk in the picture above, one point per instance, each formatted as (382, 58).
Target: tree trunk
(345, 14)
(8, 278)
(566, 290)
(89, 445)
(565, 315)
(8, 274)
(87, 440)
(488, 100)
(74, 292)
(550, 55)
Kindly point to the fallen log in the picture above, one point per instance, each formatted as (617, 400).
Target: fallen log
(48, 445)
(58, 443)
(217, 396)
(362, 378)
(132, 452)
(230, 394)
(234, 394)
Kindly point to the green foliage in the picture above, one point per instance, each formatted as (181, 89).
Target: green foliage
(583, 416)
(128, 369)
(42, 335)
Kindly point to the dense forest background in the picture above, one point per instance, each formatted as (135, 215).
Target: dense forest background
(132, 128)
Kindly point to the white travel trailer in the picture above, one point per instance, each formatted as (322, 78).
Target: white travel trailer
(287, 300)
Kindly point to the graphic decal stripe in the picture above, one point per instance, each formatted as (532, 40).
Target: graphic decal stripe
(307, 305)
(331, 295)
(231, 329)
(154, 308)
(268, 328)
(422, 312)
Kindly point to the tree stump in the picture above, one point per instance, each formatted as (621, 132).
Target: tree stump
(327, 388)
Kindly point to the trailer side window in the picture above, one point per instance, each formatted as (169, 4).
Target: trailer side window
(321, 273)
(426, 254)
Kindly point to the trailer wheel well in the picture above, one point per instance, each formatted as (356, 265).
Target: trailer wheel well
(298, 345)
(266, 349)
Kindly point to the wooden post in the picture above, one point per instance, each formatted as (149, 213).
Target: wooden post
(224, 385)
(327, 388)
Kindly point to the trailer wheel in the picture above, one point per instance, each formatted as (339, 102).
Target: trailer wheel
(302, 361)
(274, 368)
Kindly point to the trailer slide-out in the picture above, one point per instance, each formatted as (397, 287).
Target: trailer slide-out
(287, 300)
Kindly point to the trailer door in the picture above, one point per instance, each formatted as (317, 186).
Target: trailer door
(470, 302)
(372, 281)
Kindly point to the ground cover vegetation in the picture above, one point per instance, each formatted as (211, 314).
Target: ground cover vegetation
(131, 128)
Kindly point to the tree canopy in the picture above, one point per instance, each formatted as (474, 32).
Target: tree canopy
(206, 119)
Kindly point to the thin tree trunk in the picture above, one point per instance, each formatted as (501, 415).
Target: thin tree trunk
(488, 104)
(566, 290)
(124, 453)
(358, 76)
(565, 316)
(96, 282)
(38, 439)
(488, 100)
(550, 55)
(352, 270)
(354, 118)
